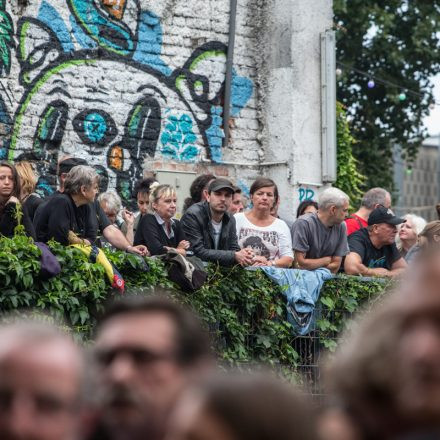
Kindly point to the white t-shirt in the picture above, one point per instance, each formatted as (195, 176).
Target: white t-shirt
(217, 231)
(273, 241)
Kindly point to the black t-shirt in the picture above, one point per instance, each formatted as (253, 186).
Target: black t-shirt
(372, 257)
(98, 221)
(32, 203)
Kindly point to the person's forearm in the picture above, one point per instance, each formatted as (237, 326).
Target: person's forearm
(130, 234)
(116, 238)
(283, 262)
(312, 263)
(397, 272)
(334, 266)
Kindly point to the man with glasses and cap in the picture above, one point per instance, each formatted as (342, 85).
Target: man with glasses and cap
(373, 250)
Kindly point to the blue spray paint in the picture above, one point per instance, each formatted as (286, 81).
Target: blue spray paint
(50, 17)
(215, 134)
(241, 91)
(306, 194)
(81, 37)
(149, 47)
(178, 139)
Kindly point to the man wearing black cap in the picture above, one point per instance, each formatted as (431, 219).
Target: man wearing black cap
(211, 229)
(373, 250)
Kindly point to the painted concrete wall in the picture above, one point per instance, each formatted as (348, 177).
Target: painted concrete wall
(135, 86)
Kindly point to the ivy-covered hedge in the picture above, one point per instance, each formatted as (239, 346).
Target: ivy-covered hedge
(244, 310)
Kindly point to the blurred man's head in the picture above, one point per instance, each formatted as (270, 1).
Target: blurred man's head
(40, 383)
(386, 375)
(147, 350)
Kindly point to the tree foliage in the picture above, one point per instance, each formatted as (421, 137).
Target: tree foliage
(349, 180)
(396, 41)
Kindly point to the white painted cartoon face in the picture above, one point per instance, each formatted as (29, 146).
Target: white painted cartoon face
(112, 123)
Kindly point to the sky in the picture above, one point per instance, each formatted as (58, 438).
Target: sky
(432, 122)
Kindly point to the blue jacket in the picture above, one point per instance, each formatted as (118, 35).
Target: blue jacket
(302, 292)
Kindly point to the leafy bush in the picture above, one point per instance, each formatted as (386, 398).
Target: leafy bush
(243, 309)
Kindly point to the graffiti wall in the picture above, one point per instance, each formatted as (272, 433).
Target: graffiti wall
(117, 82)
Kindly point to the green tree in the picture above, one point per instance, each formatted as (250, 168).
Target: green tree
(396, 41)
(349, 180)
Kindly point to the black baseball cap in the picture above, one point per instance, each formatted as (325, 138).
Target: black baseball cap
(384, 215)
(66, 165)
(220, 183)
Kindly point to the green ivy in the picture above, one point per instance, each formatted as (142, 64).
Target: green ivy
(349, 179)
(244, 310)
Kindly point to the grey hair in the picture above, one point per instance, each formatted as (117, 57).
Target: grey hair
(375, 196)
(81, 175)
(112, 200)
(419, 224)
(332, 197)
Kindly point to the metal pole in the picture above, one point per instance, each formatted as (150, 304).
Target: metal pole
(229, 64)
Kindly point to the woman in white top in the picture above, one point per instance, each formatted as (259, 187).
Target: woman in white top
(268, 236)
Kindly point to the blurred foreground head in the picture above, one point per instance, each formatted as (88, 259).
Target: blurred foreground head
(40, 383)
(147, 350)
(237, 407)
(386, 375)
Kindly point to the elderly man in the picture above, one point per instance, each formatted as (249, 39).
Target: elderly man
(372, 199)
(373, 250)
(40, 383)
(211, 230)
(319, 239)
(147, 351)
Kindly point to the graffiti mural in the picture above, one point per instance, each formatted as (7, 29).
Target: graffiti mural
(306, 194)
(96, 86)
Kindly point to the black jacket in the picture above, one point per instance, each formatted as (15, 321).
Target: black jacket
(151, 234)
(197, 226)
(59, 215)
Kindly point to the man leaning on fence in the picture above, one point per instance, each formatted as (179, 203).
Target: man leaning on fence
(211, 229)
(319, 240)
(373, 250)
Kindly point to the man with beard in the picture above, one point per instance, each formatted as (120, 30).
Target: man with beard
(210, 228)
(147, 351)
(41, 374)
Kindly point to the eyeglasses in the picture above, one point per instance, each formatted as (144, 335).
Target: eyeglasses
(141, 357)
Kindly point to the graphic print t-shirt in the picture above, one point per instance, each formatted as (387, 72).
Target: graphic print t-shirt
(372, 257)
(271, 241)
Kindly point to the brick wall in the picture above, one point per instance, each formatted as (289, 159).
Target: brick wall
(138, 85)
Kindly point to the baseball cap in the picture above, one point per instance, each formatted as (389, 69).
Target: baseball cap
(220, 183)
(66, 165)
(384, 215)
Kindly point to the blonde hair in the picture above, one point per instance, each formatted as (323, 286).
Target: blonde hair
(157, 191)
(419, 224)
(28, 180)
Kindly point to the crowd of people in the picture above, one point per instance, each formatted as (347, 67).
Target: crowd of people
(215, 225)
